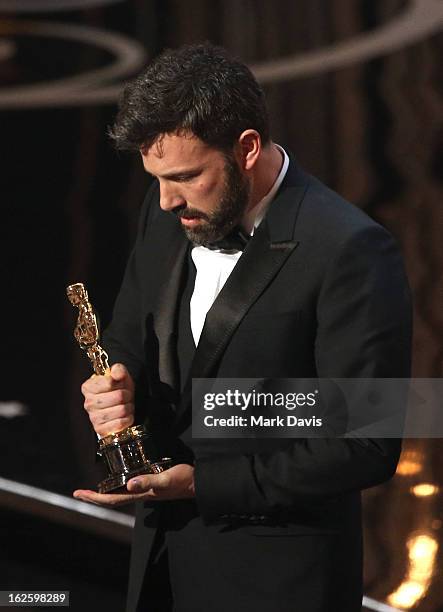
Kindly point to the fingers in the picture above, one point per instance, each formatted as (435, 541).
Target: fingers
(103, 384)
(174, 483)
(99, 401)
(109, 400)
(112, 420)
(154, 484)
(119, 379)
(114, 499)
(105, 499)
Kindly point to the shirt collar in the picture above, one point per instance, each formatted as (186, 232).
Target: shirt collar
(254, 217)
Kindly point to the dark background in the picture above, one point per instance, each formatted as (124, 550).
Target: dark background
(368, 123)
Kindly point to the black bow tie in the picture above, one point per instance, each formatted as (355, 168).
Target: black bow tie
(236, 240)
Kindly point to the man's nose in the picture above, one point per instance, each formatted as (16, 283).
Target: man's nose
(170, 198)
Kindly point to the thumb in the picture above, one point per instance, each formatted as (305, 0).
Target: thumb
(119, 372)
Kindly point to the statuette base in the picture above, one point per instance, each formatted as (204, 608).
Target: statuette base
(129, 453)
(112, 483)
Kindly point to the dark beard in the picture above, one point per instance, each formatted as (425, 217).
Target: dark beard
(229, 211)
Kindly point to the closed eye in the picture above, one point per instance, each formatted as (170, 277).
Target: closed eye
(178, 177)
(183, 178)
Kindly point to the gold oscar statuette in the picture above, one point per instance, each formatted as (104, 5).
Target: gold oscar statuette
(129, 452)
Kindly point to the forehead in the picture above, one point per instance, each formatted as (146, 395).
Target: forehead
(172, 152)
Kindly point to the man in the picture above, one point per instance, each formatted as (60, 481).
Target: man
(309, 287)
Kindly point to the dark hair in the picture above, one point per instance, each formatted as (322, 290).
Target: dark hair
(196, 88)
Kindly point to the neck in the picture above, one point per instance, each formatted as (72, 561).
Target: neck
(266, 171)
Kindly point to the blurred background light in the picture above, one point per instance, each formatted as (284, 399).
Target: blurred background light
(424, 489)
(422, 555)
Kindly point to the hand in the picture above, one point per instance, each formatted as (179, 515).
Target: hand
(109, 400)
(175, 483)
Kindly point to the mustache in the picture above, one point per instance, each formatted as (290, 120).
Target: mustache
(185, 212)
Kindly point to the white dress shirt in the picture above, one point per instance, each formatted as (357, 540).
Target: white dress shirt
(215, 266)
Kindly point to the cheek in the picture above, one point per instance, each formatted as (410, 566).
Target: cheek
(211, 190)
(204, 193)
(205, 187)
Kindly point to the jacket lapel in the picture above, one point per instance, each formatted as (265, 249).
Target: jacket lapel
(167, 303)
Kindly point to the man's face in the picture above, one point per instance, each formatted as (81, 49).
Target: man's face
(203, 187)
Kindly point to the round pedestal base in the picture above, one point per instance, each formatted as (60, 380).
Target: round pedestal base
(117, 481)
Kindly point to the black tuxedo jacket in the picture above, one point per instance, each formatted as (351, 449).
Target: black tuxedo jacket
(319, 291)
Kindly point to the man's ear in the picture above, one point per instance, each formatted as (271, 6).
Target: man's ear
(249, 148)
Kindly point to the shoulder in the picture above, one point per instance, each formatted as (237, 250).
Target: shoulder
(329, 228)
(321, 217)
(325, 215)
